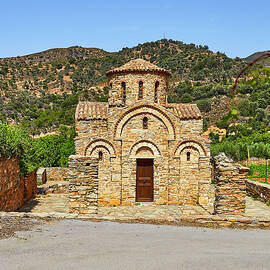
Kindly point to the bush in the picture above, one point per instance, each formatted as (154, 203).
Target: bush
(13, 141)
(258, 145)
(204, 105)
(51, 150)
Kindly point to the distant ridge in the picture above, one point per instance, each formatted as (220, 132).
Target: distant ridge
(76, 52)
(252, 57)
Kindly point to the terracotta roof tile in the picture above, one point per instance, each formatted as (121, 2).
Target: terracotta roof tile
(185, 111)
(138, 65)
(91, 110)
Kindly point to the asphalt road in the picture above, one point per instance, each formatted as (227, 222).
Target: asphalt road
(86, 245)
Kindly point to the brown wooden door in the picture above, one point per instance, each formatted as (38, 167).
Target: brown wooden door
(144, 181)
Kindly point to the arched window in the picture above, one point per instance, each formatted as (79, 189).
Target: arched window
(156, 92)
(140, 89)
(188, 156)
(100, 156)
(124, 94)
(145, 123)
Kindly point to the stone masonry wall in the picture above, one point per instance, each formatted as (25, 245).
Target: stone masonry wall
(30, 186)
(15, 190)
(258, 190)
(230, 181)
(83, 184)
(56, 174)
(11, 185)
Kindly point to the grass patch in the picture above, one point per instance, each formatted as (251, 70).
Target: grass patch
(259, 170)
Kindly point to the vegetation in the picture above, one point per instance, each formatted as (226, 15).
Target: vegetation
(253, 99)
(257, 144)
(259, 170)
(48, 151)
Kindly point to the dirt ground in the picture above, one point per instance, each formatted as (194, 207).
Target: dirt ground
(10, 225)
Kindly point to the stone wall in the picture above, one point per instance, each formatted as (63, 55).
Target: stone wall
(258, 190)
(11, 185)
(15, 190)
(30, 186)
(57, 174)
(230, 181)
(83, 184)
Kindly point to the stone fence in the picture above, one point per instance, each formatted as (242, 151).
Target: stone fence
(83, 185)
(57, 174)
(230, 179)
(15, 190)
(258, 190)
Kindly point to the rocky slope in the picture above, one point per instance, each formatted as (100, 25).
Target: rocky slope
(40, 91)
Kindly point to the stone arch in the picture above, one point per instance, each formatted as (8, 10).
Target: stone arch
(100, 143)
(144, 109)
(99, 147)
(146, 149)
(147, 144)
(191, 144)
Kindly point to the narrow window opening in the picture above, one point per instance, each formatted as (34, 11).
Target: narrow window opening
(100, 156)
(156, 92)
(124, 94)
(145, 123)
(188, 156)
(111, 85)
(140, 90)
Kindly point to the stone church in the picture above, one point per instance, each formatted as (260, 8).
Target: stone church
(148, 150)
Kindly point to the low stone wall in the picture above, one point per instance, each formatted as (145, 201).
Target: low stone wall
(57, 174)
(230, 181)
(15, 190)
(258, 190)
(83, 184)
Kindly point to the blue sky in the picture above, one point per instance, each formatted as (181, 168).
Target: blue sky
(236, 27)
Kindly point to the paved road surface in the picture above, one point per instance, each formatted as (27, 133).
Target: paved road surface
(83, 245)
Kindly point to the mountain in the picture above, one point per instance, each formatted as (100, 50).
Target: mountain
(40, 91)
(252, 57)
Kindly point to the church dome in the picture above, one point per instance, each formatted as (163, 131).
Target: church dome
(138, 65)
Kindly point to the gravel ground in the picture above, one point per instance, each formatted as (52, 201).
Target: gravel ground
(75, 244)
(10, 225)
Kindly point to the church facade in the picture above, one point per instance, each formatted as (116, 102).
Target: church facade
(148, 150)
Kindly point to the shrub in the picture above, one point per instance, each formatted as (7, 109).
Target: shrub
(13, 141)
(51, 150)
(204, 105)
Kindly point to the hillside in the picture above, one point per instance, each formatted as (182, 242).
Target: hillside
(40, 91)
(252, 57)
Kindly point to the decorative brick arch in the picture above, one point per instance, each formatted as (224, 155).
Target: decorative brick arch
(99, 147)
(100, 143)
(190, 144)
(144, 109)
(147, 144)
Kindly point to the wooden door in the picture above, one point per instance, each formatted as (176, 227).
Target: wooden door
(144, 181)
